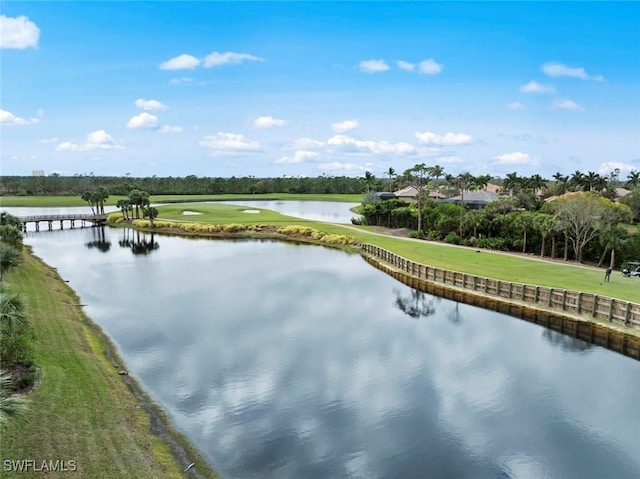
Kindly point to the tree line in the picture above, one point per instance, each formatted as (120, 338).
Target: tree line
(584, 225)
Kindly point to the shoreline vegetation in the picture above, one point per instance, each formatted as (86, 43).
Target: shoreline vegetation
(84, 411)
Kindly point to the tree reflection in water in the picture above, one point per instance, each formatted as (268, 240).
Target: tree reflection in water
(137, 242)
(417, 304)
(99, 241)
(567, 343)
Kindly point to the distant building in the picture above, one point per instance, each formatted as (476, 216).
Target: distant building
(409, 194)
(37, 173)
(385, 195)
(475, 200)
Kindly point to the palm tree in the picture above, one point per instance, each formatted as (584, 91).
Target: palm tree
(12, 406)
(151, 213)
(89, 197)
(545, 224)
(512, 182)
(536, 183)
(612, 239)
(561, 181)
(465, 181)
(482, 181)
(590, 180)
(11, 235)
(418, 175)
(124, 206)
(9, 258)
(435, 171)
(369, 180)
(525, 221)
(391, 173)
(12, 314)
(634, 178)
(100, 195)
(577, 180)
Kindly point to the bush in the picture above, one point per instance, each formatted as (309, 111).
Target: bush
(417, 234)
(492, 243)
(452, 238)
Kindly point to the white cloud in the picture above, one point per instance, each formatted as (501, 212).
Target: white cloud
(216, 59)
(373, 66)
(567, 105)
(229, 143)
(609, 166)
(150, 105)
(180, 81)
(305, 144)
(96, 140)
(516, 106)
(143, 120)
(449, 139)
(406, 65)
(18, 33)
(555, 70)
(535, 87)
(352, 145)
(170, 129)
(268, 122)
(8, 118)
(47, 141)
(344, 126)
(298, 157)
(515, 158)
(449, 159)
(181, 62)
(338, 166)
(429, 67)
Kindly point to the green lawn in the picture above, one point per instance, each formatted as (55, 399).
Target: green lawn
(55, 201)
(468, 260)
(81, 409)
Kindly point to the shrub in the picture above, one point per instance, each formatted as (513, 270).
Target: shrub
(452, 238)
(417, 234)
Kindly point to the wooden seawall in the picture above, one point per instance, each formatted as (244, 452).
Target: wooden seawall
(568, 312)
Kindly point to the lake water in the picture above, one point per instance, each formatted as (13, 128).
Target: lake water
(287, 361)
(329, 211)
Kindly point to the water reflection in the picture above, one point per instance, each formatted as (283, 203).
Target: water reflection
(567, 343)
(417, 304)
(99, 240)
(298, 361)
(139, 243)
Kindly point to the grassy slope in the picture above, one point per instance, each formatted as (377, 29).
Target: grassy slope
(81, 409)
(485, 263)
(54, 201)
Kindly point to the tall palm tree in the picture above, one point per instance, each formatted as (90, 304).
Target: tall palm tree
(545, 225)
(590, 180)
(561, 181)
(12, 406)
(369, 180)
(418, 175)
(465, 181)
(392, 174)
(577, 180)
(512, 182)
(9, 258)
(435, 171)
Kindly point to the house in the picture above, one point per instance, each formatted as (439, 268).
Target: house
(475, 200)
(409, 194)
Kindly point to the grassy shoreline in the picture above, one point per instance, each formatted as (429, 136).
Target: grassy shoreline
(82, 409)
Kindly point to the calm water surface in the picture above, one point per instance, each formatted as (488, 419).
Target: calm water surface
(329, 211)
(285, 361)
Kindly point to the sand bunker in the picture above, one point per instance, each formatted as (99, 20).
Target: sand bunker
(190, 213)
(251, 211)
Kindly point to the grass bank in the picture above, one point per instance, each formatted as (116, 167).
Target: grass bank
(508, 267)
(61, 201)
(82, 410)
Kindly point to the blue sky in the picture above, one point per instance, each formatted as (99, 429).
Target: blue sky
(310, 88)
